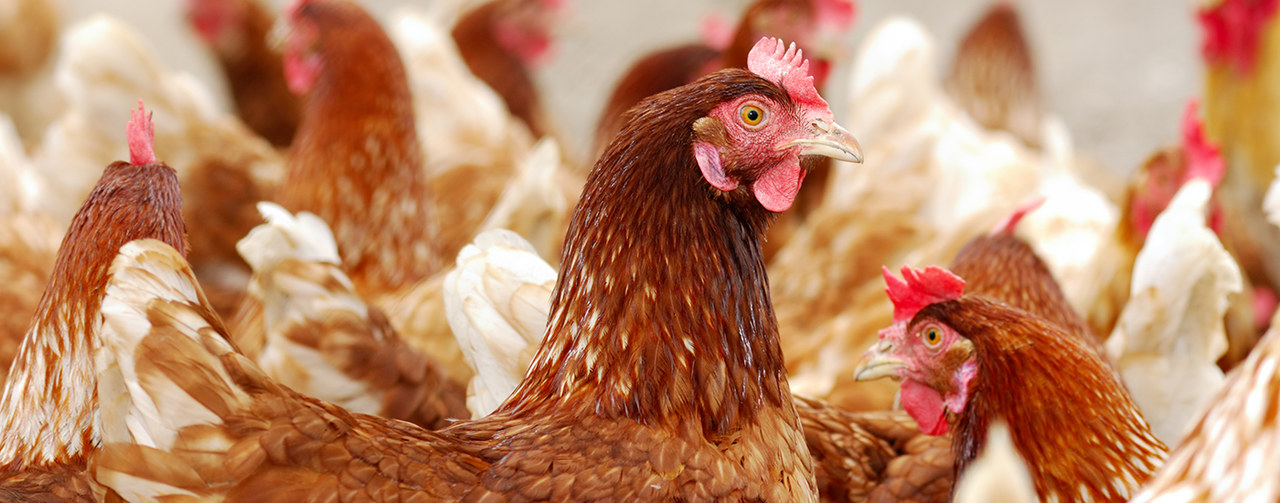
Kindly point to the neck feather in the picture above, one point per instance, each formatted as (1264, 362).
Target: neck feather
(661, 312)
(1067, 411)
(49, 411)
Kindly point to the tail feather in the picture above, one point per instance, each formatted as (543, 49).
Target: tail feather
(497, 302)
(324, 340)
(167, 378)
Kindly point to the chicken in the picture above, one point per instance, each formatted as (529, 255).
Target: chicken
(993, 76)
(49, 409)
(237, 32)
(641, 390)
(812, 23)
(355, 161)
(1240, 47)
(1170, 335)
(967, 360)
(225, 167)
(324, 341)
(502, 41)
(390, 230)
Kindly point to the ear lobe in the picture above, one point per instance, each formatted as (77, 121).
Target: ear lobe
(709, 162)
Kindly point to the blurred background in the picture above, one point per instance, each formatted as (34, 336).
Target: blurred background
(1117, 73)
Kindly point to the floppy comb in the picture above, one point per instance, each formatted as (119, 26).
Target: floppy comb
(919, 288)
(774, 61)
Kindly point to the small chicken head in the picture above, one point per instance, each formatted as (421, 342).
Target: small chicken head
(934, 362)
(758, 142)
(1233, 31)
(524, 28)
(1160, 177)
(212, 19)
(302, 60)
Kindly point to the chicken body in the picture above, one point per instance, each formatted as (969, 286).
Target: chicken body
(49, 410)
(968, 361)
(615, 407)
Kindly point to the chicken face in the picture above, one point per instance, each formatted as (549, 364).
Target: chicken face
(934, 362)
(302, 61)
(212, 18)
(1160, 177)
(758, 141)
(524, 28)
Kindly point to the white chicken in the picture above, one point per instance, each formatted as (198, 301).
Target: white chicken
(1170, 334)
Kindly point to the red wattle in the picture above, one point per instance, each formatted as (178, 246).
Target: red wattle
(925, 406)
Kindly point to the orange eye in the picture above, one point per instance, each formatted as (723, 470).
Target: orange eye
(751, 115)
(932, 336)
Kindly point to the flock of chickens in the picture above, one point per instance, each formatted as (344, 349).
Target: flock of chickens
(381, 280)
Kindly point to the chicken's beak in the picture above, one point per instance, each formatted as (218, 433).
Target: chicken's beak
(829, 140)
(878, 362)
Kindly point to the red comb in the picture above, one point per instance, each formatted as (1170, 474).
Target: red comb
(920, 288)
(1010, 222)
(773, 60)
(1204, 159)
(141, 134)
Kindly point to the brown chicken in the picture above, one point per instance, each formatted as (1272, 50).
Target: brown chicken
(993, 76)
(968, 360)
(237, 32)
(502, 41)
(49, 409)
(645, 388)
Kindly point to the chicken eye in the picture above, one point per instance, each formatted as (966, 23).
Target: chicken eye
(752, 115)
(932, 336)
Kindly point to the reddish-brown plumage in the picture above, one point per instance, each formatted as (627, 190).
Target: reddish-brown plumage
(356, 160)
(237, 31)
(1003, 266)
(49, 407)
(660, 377)
(1070, 417)
(477, 35)
(993, 76)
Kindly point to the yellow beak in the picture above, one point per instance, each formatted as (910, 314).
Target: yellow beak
(830, 140)
(878, 362)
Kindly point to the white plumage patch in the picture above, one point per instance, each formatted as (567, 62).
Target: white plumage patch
(1170, 334)
(497, 302)
(140, 403)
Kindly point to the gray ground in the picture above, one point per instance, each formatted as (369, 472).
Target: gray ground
(1118, 72)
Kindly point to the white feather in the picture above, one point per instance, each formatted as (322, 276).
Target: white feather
(497, 302)
(1170, 334)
